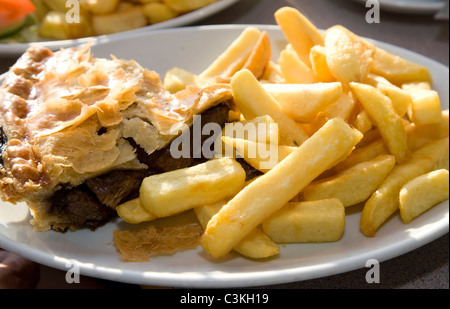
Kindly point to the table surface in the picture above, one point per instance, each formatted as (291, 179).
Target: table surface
(423, 268)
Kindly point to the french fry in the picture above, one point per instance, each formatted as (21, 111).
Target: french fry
(97, 6)
(299, 31)
(261, 129)
(55, 26)
(362, 154)
(354, 185)
(425, 107)
(363, 122)
(293, 69)
(423, 193)
(260, 56)
(385, 200)
(60, 5)
(157, 12)
(349, 57)
(176, 79)
(382, 113)
(133, 212)
(363, 49)
(261, 156)
(187, 5)
(318, 58)
(267, 194)
(303, 101)
(272, 74)
(370, 136)
(235, 56)
(118, 21)
(400, 98)
(174, 192)
(364, 52)
(398, 70)
(253, 101)
(436, 152)
(411, 87)
(307, 222)
(341, 56)
(256, 245)
(342, 108)
(421, 135)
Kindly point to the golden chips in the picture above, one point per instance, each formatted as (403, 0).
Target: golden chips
(356, 125)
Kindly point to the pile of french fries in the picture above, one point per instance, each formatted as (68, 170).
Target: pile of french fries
(356, 125)
(98, 17)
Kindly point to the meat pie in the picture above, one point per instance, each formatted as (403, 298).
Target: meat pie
(79, 133)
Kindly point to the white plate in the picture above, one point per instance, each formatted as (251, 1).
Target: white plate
(186, 19)
(411, 6)
(193, 49)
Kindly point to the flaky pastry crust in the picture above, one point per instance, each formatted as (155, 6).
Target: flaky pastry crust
(67, 116)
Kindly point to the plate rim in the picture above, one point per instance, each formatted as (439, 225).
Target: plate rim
(291, 274)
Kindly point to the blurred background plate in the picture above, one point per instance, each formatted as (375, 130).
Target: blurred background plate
(186, 19)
